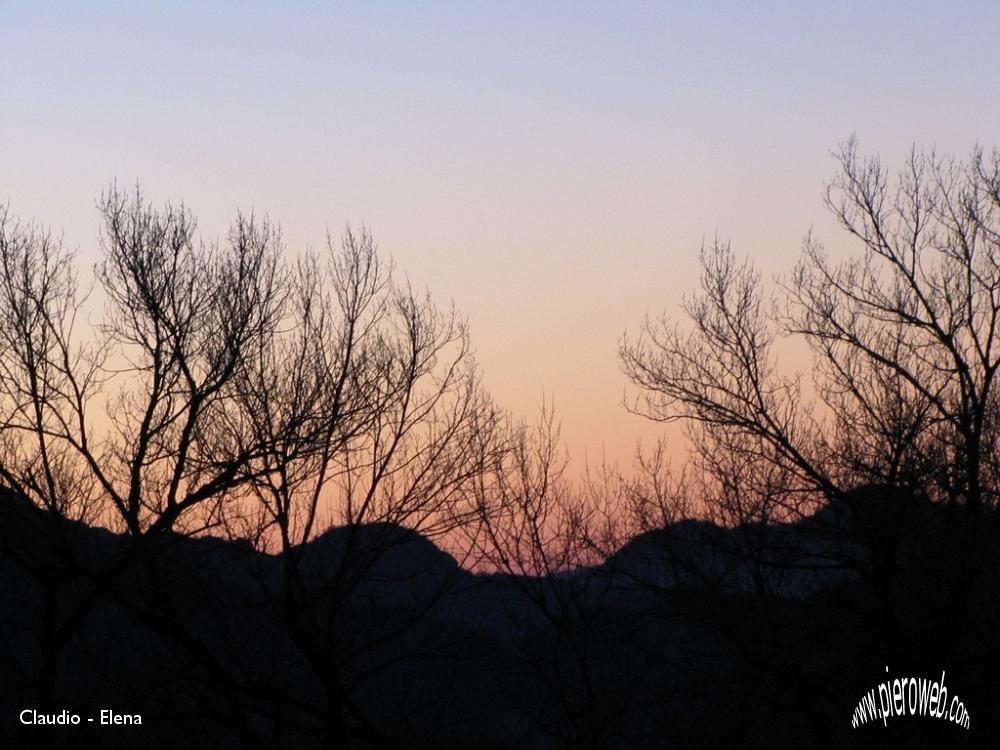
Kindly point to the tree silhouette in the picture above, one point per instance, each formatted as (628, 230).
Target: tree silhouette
(904, 336)
(276, 482)
(848, 476)
(227, 391)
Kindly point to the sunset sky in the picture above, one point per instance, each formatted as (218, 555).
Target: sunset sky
(553, 168)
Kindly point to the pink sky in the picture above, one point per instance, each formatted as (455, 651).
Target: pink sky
(552, 169)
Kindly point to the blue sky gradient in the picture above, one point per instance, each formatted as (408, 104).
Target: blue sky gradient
(551, 167)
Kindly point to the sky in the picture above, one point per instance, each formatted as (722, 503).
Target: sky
(552, 168)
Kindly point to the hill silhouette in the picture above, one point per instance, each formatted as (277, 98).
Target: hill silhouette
(696, 635)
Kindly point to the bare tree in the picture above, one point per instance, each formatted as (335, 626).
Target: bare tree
(381, 387)
(532, 530)
(902, 409)
(225, 390)
(547, 543)
(904, 336)
(722, 375)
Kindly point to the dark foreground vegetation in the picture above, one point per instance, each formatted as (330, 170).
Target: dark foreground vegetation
(681, 639)
(263, 500)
